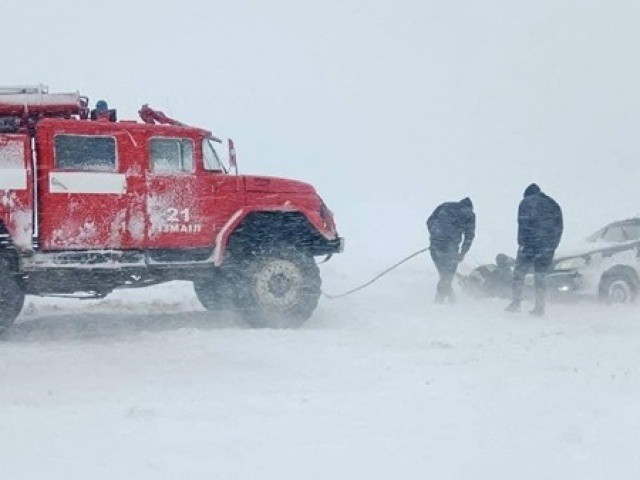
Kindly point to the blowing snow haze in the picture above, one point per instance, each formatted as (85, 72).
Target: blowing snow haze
(377, 103)
(388, 109)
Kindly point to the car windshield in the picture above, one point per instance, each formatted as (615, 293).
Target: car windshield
(632, 232)
(616, 234)
(595, 236)
(210, 157)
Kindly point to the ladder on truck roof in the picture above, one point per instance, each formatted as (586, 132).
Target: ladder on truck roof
(22, 105)
(40, 88)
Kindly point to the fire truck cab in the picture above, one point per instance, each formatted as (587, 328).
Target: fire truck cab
(87, 206)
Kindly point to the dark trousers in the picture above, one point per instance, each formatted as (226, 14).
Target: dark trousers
(445, 257)
(540, 261)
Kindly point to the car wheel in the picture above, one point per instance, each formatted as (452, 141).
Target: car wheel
(617, 289)
(280, 288)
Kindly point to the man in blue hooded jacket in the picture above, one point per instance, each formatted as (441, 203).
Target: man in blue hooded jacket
(448, 223)
(539, 231)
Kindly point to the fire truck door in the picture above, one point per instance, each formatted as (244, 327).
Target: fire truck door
(175, 196)
(16, 188)
(82, 190)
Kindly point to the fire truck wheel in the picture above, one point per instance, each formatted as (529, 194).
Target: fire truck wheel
(11, 300)
(280, 289)
(214, 293)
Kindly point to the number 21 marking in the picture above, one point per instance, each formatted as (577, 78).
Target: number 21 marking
(174, 215)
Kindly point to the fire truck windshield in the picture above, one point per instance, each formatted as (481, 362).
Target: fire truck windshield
(210, 157)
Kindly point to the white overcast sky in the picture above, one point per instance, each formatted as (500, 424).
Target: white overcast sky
(388, 108)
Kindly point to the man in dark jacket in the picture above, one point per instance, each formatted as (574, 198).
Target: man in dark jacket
(447, 225)
(539, 231)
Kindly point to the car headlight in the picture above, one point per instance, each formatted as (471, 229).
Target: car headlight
(575, 263)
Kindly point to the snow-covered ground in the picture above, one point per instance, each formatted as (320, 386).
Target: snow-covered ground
(380, 385)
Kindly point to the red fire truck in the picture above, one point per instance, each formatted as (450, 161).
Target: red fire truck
(89, 204)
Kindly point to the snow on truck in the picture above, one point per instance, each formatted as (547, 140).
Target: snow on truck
(89, 204)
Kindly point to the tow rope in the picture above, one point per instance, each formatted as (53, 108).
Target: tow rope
(377, 277)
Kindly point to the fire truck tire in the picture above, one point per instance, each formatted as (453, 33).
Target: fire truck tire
(214, 293)
(11, 299)
(280, 288)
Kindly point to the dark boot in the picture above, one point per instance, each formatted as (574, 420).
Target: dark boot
(538, 309)
(513, 307)
(449, 293)
(517, 287)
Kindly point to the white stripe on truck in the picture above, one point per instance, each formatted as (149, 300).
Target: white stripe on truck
(87, 182)
(13, 179)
